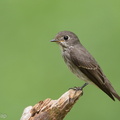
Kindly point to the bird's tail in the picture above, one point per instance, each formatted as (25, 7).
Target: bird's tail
(112, 90)
(114, 93)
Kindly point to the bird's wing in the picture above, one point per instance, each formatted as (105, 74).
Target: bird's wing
(87, 64)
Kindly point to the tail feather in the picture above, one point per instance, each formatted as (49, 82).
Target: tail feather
(107, 91)
(101, 81)
(112, 90)
(116, 96)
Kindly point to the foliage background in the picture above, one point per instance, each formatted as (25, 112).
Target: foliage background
(31, 68)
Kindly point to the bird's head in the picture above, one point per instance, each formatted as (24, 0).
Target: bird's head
(66, 39)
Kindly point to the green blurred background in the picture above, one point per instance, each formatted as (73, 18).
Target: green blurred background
(32, 69)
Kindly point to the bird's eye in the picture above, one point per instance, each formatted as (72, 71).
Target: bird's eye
(65, 37)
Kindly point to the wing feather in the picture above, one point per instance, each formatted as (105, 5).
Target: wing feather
(87, 64)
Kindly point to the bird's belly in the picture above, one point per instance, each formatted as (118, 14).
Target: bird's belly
(77, 72)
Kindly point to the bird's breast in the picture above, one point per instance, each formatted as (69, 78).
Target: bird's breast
(73, 68)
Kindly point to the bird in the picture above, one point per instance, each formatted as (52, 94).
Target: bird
(82, 63)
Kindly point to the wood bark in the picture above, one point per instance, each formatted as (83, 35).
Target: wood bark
(52, 109)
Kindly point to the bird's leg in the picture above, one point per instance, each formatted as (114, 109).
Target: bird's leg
(79, 88)
(83, 86)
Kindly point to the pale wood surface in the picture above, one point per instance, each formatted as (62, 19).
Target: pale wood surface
(52, 109)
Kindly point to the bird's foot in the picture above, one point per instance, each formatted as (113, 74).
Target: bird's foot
(76, 88)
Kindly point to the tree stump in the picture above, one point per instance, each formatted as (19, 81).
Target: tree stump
(52, 109)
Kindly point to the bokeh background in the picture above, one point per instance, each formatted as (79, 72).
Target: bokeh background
(32, 69)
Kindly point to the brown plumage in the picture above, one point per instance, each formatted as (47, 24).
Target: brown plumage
(82, 64)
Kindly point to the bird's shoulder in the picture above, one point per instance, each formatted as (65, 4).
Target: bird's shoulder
(82, 58)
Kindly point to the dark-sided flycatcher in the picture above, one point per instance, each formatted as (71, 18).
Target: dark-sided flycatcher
(82, 64)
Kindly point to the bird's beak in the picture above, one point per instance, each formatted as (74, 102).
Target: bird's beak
(58, 41)
(54, 40)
